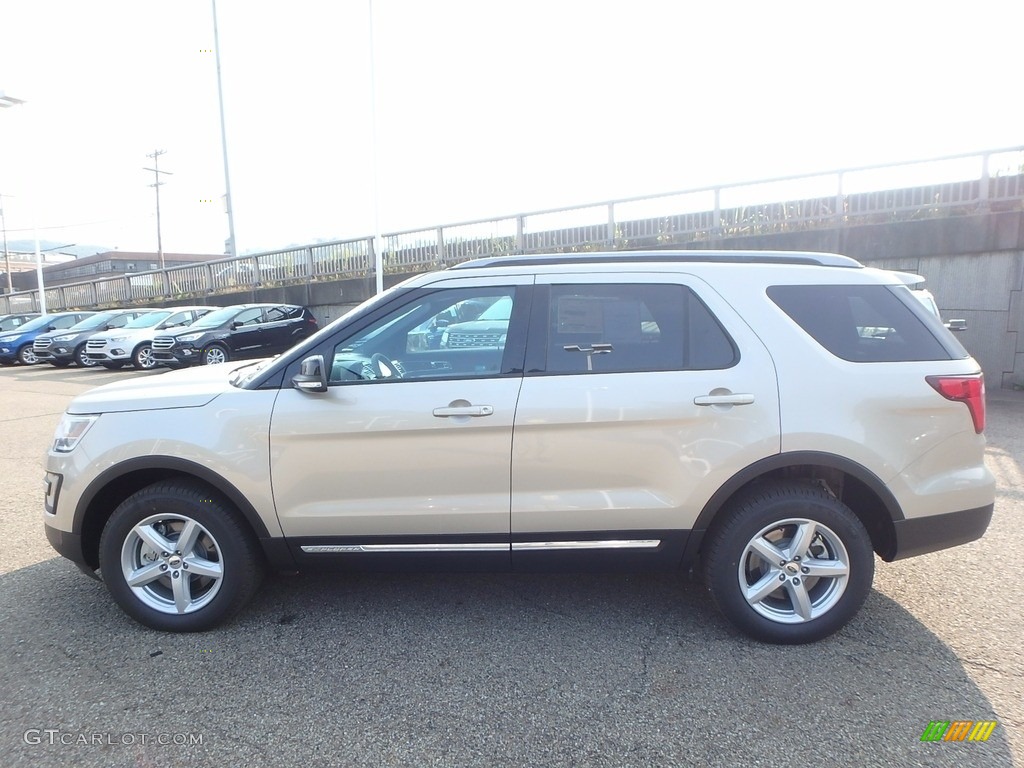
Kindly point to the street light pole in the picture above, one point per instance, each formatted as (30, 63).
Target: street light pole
(232, 248)
(378, 245)
(7, 255)
(5, 102)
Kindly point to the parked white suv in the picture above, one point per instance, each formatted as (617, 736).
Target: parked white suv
(771, 418)
(134, 342)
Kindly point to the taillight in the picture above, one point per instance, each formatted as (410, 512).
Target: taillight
(965, 389)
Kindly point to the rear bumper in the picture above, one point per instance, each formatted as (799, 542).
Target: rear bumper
(920, 535)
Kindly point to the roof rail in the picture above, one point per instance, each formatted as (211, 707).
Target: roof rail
(618, 257)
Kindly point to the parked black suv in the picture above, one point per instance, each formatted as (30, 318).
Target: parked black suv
(239, 331)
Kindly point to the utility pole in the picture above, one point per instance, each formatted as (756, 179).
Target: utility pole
(156, 185)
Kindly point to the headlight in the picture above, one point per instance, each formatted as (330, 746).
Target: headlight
(70, 430)
(65, 337)
(189, 337)
(117, 339)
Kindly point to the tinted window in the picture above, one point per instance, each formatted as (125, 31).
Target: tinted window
(866, 323)
(251, 316)
(285, 312)
(620, 328)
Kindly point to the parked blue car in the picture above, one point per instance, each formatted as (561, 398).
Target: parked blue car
(16, 345)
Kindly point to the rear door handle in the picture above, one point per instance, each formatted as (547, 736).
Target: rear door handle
(730, 399)
(464, 410)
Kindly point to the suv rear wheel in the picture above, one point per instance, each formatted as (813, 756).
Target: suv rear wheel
(789, 563)
(177, 557)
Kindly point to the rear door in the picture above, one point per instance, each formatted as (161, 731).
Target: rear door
(642, 394)
(281, 328)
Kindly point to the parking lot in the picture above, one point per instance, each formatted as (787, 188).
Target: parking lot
(495, 669)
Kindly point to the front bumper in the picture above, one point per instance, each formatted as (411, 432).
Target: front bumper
(921, 535)
(58, 353)
(178, 356)
(69, 545)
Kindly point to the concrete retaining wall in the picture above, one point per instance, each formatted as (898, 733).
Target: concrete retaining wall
(974, 266)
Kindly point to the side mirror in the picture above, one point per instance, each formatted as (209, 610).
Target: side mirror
(957, 325)
(312, 375)
(441, 322)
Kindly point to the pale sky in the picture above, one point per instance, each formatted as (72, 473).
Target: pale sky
(485, 107)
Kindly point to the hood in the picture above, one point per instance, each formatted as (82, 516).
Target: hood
(117, 333)
(188, 388)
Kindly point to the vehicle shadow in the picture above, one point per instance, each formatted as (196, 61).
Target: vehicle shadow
(470, 669)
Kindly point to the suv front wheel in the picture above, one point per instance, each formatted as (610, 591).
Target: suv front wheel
(789, 563)
(178, 557)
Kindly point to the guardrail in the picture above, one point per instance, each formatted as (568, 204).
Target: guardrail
(951, 185)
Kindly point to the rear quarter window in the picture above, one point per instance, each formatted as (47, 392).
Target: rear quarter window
(867, 323)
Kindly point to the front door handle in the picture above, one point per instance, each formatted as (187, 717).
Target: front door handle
(730, 399)
(464, 410)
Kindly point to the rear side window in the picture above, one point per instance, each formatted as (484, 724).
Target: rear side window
(602, 328)
(867, 323)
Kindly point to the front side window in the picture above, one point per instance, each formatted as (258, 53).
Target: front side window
(249, 317)
(450, 333)
(633, 327)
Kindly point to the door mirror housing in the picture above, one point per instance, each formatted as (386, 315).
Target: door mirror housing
(312, 375)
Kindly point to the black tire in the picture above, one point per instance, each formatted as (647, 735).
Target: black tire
(60, 363)
(142, 358)
(27, 356)
(112, 366)
(223, 543)
(214, 354)
(804, 606)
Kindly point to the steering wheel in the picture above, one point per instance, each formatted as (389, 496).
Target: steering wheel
(379, 363)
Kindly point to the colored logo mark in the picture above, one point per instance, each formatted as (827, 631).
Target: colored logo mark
(959, 730)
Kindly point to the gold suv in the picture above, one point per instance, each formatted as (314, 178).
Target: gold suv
(772, 419)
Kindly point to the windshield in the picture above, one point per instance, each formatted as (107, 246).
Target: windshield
(217, 318)
(94, 321)
(147, 320)
(39, 322)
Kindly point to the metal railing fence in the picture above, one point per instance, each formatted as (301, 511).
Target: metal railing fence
(945, 186)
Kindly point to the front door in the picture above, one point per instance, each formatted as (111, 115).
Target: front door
(408, 452)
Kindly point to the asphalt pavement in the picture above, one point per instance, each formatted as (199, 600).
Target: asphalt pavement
(497, 670)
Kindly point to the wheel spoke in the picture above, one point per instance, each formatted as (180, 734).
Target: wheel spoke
(144, 575)
(767, 584)
(768, 551)
(187, 539)
(199, 566)
(800, 599)
(827, 568)
(182, 589)
(802, 539)
(154, 539)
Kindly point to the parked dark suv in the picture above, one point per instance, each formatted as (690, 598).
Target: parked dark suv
(64, 347)
(239, 331)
